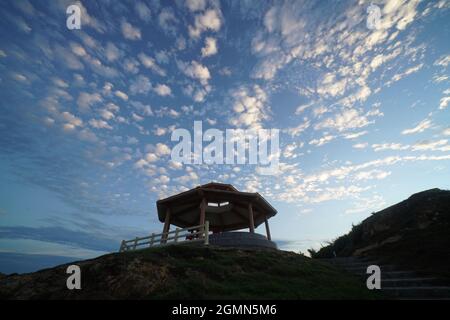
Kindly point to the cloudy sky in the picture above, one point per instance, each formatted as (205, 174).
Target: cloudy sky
(86, 115)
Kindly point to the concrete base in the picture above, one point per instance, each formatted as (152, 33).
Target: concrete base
(241, 240)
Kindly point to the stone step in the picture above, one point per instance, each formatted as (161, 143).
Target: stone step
(398, 275)
(359, 270)
(430, 292)
(410, 282)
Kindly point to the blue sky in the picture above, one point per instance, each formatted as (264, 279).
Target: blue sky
(86, 115)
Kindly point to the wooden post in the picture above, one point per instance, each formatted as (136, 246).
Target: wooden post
(152, 239)
(177, 230)
(206, 233)
(250, 218)
(267, 229)
(166, 227)
(135, 243)
(122, 246)
(202, 211)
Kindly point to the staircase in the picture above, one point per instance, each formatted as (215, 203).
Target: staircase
(396, 283)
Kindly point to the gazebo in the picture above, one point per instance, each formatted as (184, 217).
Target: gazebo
(225, 209)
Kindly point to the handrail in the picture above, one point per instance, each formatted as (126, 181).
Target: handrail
(184, 235)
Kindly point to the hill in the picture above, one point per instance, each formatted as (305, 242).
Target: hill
(414, 234)
(185, 272)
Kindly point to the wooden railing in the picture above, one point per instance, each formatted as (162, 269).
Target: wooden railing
(198, 233)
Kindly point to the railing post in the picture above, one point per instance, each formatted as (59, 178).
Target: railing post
(122, 246)
(177, 230)
(206, 230)
(152, 239)
(135, 243)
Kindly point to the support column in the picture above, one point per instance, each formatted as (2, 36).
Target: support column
(166, 226)
(250, 218)
(202, 211)
(267, 229)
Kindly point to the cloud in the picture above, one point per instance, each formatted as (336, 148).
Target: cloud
(323, 140)
(389, 146)
(112, 52)
(121, 95)
(129, 32)
(99, 124)
(86, 100)
(250, 108)
(140, 85)
(195, 70)
(444, 103)
(167, 20)
(360, 145)
(346, 120)
(150, 63)
(210, 47)
(195, 5)
(59, 235)
(143, 11)
(430, 145)
(443, 61)
(163, 90)
(422, 126)
(209, 20)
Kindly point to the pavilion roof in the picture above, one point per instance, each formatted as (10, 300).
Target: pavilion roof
(185, 207)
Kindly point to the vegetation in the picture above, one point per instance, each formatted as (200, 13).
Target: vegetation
(414, 233)
(185, 272)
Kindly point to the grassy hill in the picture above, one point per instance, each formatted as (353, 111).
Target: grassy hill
(185, 272)
(414, 234)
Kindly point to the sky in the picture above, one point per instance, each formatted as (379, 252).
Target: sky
(86, 115)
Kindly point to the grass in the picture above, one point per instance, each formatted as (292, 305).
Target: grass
(218, 273)
(192, 272)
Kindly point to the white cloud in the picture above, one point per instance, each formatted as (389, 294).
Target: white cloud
(210, 47)
(195, 70)
(143, 11)
(140, 85)
(444, 103)
(112, 52)
(347, 119)
(372, 174)
(323, 140)
(389, 146)
(295, 131)
(422, 126)
(209, 20)
(121, 95)
(443, 61)
(163, 90)
(150, 63)
(130, 32)
(249, 107)
(167, 20)
(86, 100)
(70, 121)
(162, 149)
(77, 49)
(361, 145)
(195, 5)
(430, 145)
(99, 124)
(355, 135)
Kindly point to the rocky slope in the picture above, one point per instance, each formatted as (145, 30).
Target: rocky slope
(414, 234)
(184, 272)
